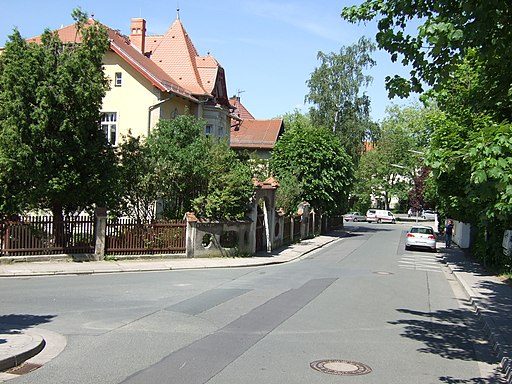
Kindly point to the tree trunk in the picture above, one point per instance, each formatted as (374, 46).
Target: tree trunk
(58, 226)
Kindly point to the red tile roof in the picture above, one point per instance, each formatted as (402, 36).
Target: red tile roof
(121, 45)
(252, 133)
(176, 55)
(208, 68)
(368, 146)
(269, 183)
(151, 42)
(256, 134)
(240, 110)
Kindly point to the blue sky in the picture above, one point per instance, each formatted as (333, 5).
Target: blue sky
(268, 48)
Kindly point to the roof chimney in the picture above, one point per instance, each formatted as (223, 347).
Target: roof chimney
(138, 34)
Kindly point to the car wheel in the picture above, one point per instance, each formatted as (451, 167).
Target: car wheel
(407, 247)
(355, 220)
(393, 221)
(379, 221)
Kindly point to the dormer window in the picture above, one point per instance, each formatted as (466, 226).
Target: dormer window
(119, 79)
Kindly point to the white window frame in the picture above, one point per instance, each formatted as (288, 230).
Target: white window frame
(109, 126)
(118, 80)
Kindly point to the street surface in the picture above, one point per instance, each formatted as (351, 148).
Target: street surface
(375, 312)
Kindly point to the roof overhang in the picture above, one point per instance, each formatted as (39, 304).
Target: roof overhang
(162, 85)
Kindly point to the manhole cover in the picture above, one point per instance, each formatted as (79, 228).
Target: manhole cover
(23, 368)
(340, 367)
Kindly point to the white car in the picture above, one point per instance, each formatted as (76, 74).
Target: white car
(354, 216)
(421, 236)
(380, 216)
(428, 214)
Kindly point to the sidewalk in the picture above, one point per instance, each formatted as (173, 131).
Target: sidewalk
(46, 268)
(491, 298)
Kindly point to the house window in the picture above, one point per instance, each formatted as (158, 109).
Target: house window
(119, 79)
(208, 130)
(175, 113)
(109, 125)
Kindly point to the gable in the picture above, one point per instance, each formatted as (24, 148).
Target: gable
(176, 55)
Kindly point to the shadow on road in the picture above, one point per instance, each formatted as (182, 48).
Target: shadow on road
(13, 324)
(355, 230)
(449, 334)
(495, 379)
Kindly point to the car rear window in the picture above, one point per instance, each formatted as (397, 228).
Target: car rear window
(423, 231)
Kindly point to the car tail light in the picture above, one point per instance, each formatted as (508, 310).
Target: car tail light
(410, 235)
(431, 237)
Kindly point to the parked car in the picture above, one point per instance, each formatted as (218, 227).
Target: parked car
(354, 216)
(380, 216)
(428, 214)
(421, 236)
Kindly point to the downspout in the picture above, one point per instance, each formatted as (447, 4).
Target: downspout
(151, 108)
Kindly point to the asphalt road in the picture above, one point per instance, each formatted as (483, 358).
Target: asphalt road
(362, 307)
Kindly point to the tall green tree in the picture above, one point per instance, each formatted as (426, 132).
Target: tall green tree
(179, 154)
(230, 188)
(183, 170)
(391, 167)
(380, 170)
(446, 33)
(53, 153)
(335, 90)
(317, 159)
(460, 51)
(138, 183)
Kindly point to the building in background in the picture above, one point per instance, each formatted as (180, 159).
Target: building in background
(257, 137)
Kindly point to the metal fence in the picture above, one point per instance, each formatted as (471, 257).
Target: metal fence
(126, 236)
(36, 235)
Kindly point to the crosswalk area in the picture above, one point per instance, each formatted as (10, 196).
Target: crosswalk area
(420, 261)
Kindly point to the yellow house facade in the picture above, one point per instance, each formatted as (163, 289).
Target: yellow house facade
(158, 77)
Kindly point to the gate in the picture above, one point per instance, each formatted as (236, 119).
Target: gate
(261, 244)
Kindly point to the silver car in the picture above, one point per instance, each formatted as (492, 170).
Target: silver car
(421, 236)
(354, 216)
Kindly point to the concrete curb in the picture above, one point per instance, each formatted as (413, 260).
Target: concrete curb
(497, 341)
(26, 345)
